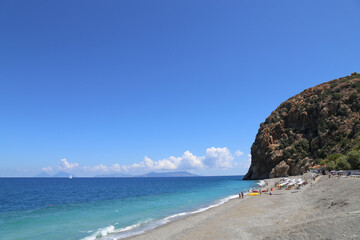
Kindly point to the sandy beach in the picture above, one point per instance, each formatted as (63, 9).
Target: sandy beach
(327, 208)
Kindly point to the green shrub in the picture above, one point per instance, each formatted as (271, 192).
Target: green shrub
(352, 98)
(357, 86)
(342, 112)
(333, 126)
(337, 96)
(323, 126)
(333, 157)
(355, 107)
(355, 130)
(330, 166)
(345, 142)
(353, 158)
(327, 92)
(321, 153)
(331, 160)
(285, 142)
(302, 145)
(287, 153)
(342, 163)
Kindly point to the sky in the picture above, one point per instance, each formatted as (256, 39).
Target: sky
(133, 86)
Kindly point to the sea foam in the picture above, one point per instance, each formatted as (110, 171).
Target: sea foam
(103, 232)
(110, 232)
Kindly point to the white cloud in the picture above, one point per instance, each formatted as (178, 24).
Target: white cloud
(116, 167)
(103, 168)
(190, 161)
(245, 164)
(218, 158)
(65, 165)
(47, 169)
(186, 162)
(148, 162)
(214, 158)
(100, 168)
(239, 153)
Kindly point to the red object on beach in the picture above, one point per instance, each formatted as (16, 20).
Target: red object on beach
(263, 191)
(272, 189)
(255, 191)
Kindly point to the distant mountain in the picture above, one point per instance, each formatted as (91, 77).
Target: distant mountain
(42, 175)
(168, 174)
(113, 175)
(62, 174)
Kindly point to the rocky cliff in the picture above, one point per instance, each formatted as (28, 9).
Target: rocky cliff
(319, 121)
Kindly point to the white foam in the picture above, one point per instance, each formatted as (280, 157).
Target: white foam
(139, 228)
(128, 228)
(178, 215)
(222, 201)
(101, 232)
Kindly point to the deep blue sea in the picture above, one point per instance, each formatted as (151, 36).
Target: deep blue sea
(105, 208)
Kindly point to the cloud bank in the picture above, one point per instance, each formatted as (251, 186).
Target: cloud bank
(214, 158)
(64, 165)
(47, 169)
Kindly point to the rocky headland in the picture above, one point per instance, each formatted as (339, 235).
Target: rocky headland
(308, 127)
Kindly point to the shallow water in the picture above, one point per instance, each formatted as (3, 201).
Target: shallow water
(105, 208)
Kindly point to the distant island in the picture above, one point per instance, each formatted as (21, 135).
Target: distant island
(169, 174)
(60, 174)
(321, 125)
(151, 174)
(113, 175)
(63, 174)
(42, 175)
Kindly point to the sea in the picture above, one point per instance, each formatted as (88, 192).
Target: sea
(106, 208)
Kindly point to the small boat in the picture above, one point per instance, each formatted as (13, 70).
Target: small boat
(70, 177)
(253, 194)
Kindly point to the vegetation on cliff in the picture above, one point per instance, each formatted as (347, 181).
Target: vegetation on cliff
(340, 161)
(307, 129)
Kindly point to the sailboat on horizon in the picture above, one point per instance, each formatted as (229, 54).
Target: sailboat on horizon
(70, 177)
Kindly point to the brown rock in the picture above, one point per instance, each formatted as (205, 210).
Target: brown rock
(280, 170)
(317, 122)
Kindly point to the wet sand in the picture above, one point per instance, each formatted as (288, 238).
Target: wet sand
(327, 208)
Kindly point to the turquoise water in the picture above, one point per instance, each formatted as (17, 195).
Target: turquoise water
(105, 208)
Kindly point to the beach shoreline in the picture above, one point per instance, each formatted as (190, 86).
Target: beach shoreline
(319, 210)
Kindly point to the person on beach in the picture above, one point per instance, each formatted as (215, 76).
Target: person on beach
(239, 195)
(242, 194)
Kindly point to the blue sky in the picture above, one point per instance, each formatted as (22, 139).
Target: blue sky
(103, 84)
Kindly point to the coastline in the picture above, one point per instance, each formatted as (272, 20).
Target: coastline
(147, 213)
(326, 208)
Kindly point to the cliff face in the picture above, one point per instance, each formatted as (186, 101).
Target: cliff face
(317, 122)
